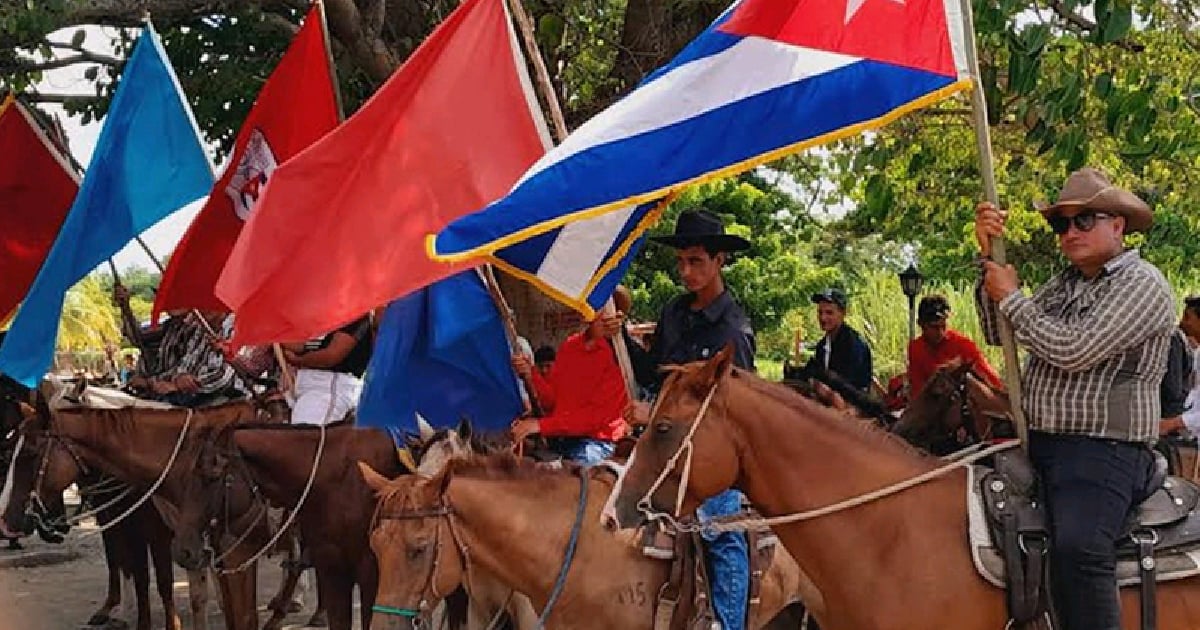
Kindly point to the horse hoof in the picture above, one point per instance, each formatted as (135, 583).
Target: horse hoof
(318, 620)
(296, 606)
(116, 624)
(99, 619)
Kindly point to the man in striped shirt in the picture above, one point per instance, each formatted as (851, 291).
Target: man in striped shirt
(1097, 335)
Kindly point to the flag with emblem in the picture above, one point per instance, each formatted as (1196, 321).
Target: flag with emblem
(296, 107)
(767, 79)
(37, 186)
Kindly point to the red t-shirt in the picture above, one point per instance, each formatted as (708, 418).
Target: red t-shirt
(584, 395)
(924, 359)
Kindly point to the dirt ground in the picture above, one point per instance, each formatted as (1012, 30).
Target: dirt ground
(57, 587)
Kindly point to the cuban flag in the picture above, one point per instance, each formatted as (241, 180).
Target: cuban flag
(769, 78)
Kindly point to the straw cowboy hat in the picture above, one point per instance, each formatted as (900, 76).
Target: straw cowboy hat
(701, 227)
(1091, 189)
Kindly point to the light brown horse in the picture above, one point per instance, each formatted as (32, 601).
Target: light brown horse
(899, 563)
(512, 519)
(134, 445)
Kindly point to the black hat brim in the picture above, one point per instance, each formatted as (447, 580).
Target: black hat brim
(719, 242)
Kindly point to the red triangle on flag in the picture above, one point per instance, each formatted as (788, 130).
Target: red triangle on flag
(911, 33)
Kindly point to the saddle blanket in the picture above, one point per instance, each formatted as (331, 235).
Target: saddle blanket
(1176, 564)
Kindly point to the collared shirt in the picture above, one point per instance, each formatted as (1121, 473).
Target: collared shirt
(684, 335)
(924, 359)
(1097, 348)
(584, 395)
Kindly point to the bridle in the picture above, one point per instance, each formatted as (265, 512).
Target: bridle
(220, 527)
(686, 451)
(444, 514)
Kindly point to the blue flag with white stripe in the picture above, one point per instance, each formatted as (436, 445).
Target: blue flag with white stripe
(149, 162)
(769, 78)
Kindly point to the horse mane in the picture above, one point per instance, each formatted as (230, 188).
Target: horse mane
(830, 419)
(507, 466)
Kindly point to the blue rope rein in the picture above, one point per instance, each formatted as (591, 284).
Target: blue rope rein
(569, 557)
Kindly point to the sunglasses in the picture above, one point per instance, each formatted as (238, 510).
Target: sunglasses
(1084, 222)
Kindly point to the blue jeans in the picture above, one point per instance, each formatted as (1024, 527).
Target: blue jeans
(728, 562)
(1090, 486)
(585, 451)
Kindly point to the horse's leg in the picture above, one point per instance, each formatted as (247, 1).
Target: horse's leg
(282, 601)
(141, 581)
(238, 599)
(198, 598)
(113, 597)
(335, 593)
(164, 573)
(368, 586)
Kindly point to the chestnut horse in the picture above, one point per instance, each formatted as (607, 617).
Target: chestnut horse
(512, 519)
(899, 562)
(135, 446)
(955, 409)
(335, 514)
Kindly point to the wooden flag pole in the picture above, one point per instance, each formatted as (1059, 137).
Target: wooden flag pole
(542, 78)
(510, 329)
(1012, 369)
(333, 76)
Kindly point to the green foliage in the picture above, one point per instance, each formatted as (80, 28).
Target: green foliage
(89, 319)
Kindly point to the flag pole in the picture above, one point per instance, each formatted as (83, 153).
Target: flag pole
(1012, 370)
(542, 78)
(333, 75)
(510, 330)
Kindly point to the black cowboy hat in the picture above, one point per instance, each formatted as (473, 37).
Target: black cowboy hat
(701, 227)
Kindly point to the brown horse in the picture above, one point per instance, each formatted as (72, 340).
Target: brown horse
(955, 409)
(334, 517)
(899, 562)
(135, 446)
(512, 519)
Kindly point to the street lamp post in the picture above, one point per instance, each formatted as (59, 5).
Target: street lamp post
(910, 282)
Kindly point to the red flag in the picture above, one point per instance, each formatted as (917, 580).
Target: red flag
(37, 187)
(295, 108)
(341, 228)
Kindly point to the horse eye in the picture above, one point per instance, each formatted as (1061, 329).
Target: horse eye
(662, 428)
(415, 552)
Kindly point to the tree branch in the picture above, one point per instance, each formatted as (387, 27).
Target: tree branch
(39, 97)
(1071, 17)
(84, 55)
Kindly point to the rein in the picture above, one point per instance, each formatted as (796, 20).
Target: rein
(742, 523)
(262, 511)
(154, 487)
(287, 523)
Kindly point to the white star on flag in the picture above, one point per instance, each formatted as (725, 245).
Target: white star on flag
(852, 7)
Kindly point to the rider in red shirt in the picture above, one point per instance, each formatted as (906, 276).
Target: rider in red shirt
(939, 344)
(584, 395)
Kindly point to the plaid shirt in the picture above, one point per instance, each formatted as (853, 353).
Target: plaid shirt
(1097, 348)
(187, 349)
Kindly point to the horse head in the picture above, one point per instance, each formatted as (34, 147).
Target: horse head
(224, 504)
(414, 541)
(42, 466)
(660, 478)
(954, 408)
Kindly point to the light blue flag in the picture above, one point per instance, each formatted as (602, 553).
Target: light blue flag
(148, 163)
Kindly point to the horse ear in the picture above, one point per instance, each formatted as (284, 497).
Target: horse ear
(425, 429)
(465, 430)
(406, 460)
(717, 368)
(376, 481)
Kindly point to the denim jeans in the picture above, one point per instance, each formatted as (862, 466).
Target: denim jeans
(584, 451)
(1090, 486)
(728, 562)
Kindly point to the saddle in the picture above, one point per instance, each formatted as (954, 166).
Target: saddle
(1161, 540)
(689, 574)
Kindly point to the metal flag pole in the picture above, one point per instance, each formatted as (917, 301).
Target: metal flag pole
(1012, 369)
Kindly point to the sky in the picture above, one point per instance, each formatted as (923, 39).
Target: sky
(161, 238)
